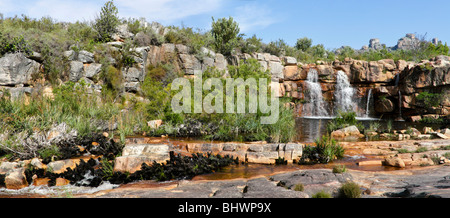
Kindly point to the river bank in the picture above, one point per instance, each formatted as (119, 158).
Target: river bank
(380, 168)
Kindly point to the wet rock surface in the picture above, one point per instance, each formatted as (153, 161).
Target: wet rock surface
(425, 183)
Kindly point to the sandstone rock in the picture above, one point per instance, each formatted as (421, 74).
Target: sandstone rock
(92, 70)
(154, 124)
(370, 163)
(394, 161)
(17, 69)
(133, 74)
(85, 56)
(132, 86)
(6, 166)
(76, 71)
(61, 182)
(61, 166)
(40, 181)
(122, 33)
(190, 63)
(182, 49)
(337, 134)
(16, 179)
(134, 155)
(427, 130)
(220, 62)
(291, 72)
(290, 61)
(351, 131)
(407, 43)
(276, 70)
(384, 106)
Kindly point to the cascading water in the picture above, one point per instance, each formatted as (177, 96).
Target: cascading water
(315, 105)
(369, 96)
(343, 94)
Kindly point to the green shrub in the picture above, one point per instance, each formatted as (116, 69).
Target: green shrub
(344, 119)
(299, 187)
(339, 169)
(321, 194)
(225, 33)
(326, 150)
(105, 24)
(16, 44)
(349, 190)
(430, 99)
(303, 44)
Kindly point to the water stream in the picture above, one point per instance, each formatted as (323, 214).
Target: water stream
(315, 105)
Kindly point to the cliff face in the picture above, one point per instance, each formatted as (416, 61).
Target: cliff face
(384, 87)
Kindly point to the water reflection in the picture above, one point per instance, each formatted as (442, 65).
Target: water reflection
(312, 128)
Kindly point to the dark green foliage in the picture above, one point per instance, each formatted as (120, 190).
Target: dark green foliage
(178, 167)
(16, 44)
(430, 99)
(106, 23)
(344, 119)
(326, 150)
(303, 44)
(225, 33)
(349, 190)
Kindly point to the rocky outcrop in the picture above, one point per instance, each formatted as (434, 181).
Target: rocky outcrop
(17, 69)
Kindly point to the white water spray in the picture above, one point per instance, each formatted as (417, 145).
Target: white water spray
(369, 96)
(316, 104)
(343, 94)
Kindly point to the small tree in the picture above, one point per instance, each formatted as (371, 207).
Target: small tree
(225, 33)
(106, 23)
(303, 44)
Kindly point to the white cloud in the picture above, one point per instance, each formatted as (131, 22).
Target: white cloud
(254, 16)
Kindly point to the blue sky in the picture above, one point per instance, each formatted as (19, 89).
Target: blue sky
(333, 23)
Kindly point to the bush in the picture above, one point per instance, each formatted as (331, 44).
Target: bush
(339, 169)
(349, 190)
(225, 33)
(303, 44)
(321, 194)
(106, 23)
(16, 44)
(326, 150)
(344, 119)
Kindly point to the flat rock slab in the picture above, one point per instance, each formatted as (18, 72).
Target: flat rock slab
(133, 156)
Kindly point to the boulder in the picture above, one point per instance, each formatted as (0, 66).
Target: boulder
(220, 62)
(85, 56)
(190, 63)
(133, 74)
(291, 72)
(276, 70)
(133, 156)
(15, 179)
(288, 61)
(17, 69)
(92, 70)
(76, 70)
(384, 106)
(394, 162)
(122, 33)
(351, 131)
(154, 124)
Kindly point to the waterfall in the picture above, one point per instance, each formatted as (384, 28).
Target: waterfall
(343, 94)
(400, 118)
(315, 105)
(369, 96)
